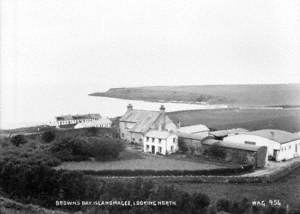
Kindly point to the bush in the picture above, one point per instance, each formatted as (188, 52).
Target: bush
(82, 148)
(223, 205)
(200, 200)
(70, 149)
(48, 136)
(93, 131)
(18, 140)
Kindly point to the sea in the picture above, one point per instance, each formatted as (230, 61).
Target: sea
(41, 105)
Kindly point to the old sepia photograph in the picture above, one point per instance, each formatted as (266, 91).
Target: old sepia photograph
(149, 107)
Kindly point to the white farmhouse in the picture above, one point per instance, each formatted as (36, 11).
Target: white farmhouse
(161, 142)
(281, 145)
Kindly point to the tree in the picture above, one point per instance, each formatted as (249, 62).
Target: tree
(48, 136)
(201, 200)
(18, 140)
(223, 205)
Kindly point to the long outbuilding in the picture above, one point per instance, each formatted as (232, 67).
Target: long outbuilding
(281, 145)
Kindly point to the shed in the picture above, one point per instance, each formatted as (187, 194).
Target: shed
(256, 154)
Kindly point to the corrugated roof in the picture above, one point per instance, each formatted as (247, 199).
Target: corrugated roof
(193, 129)
(279, 136)
(158, 134)
(231, 145)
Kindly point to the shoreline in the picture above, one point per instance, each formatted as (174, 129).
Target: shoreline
(217, 105)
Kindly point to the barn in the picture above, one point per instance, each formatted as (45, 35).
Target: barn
(239, 153)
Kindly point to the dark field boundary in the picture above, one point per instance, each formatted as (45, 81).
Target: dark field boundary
(222, 176)
(175, 173)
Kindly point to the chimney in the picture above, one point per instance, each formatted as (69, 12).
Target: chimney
(178, 124)
(162, 110)
(272, 135)
(129, 107)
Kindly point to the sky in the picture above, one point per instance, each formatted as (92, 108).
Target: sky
(99, 44)
(49, 47)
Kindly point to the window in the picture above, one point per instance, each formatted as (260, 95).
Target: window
(172, 148)
(290, 146)
(122, 134)
(174, 140)
(147, 147)
(250, 142)
(159, 149)
(153, 140)
(147, 138)
(159, 140)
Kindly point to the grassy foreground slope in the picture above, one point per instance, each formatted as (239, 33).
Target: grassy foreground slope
(240, 95)
(286, 190)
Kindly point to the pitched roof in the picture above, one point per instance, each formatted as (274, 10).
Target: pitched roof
(78, 117)
(64, 117)
(226, 132)
(227, 144)
(158, 134)
(143, 119)
(279, 136)
(189, 136)
(138, 115)
(193, 128)
(101, 121)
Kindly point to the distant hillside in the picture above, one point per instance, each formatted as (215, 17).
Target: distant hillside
(286, 95)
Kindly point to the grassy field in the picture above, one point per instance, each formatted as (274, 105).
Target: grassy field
(287, 190)
(238, 95)
(130, 159)
(251, 119)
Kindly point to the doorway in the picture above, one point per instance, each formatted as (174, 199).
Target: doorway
(153, 149)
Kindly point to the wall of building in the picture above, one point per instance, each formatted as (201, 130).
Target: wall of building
(256, 140)
(136, 138)
(239, 156)
(124, 131)
(165, 145)
(289, 150)
(194, 146)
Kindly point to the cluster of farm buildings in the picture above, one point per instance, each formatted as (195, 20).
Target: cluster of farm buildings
(159, 132)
